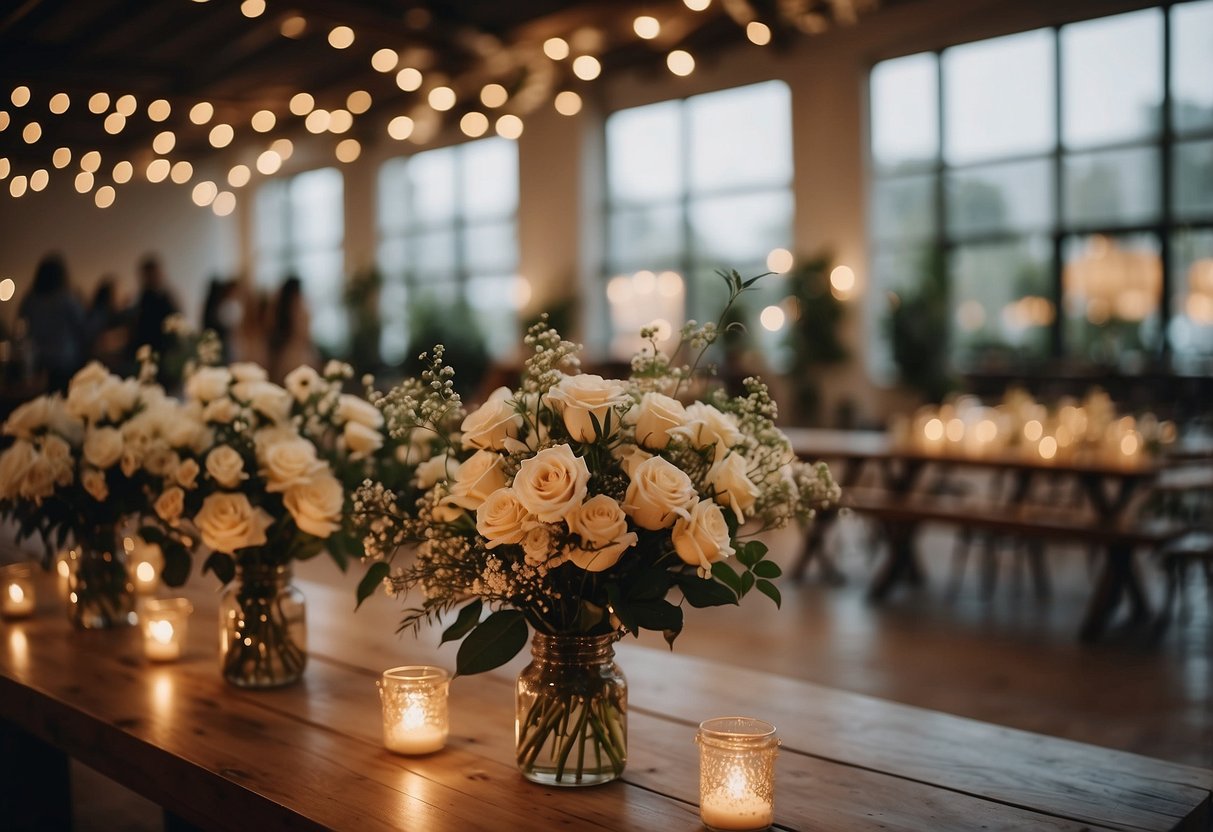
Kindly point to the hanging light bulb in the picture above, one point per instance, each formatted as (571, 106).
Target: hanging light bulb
(400, 128)
(126, 105)
(158, 170)
(341, 37)
(252, 8)
(268, 163)
(646, 27)
(62, 157)
(159, 110)
(20, 96)
(474, 124)
(441, 98)
(17, 186)
(340, 121)
(239, 176)
(59, 103)
(123, 171)
(98, 103)
(348, 150)
(204, 193)
(493, 95)
(586, 67)
(39, 179)
(358, 102)
(680, 62)
(181, 172)
(317, 121)
(556, 48)
(104, 196)
(302, 103)
(90, 161)
(384, 60)
(84, 182)
(263, 121)
(758, 33)
(409, 79)
(283, 147)
(221, 135)
(224, 203)
(568, 103)
(32, 132)
(202, 112)
(509, 126)
(115, 122)
(164, 142)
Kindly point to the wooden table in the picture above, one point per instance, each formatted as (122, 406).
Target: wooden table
(310, 756)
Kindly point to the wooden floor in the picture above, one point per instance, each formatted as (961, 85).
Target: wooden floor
(1011, 660)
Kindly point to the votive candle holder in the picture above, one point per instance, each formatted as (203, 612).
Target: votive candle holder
(17, 596)
(165, 624)
(737, 773)
(415, 713)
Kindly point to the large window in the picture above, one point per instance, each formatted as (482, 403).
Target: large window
(299, 231)
(447, 236)
(1066, 176)
(693, 186)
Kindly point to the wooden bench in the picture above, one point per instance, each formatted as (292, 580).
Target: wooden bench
(311, 757)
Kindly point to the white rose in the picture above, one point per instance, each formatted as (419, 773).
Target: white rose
(603, 528)
(39, 480)
(361, 440)
(131, 460)
(302, 382)
(656, 416)
(629, 457)
(103, 447)
(316, 505)
(228, 521)
(187, 429)
(289, 462)
(160, 461)
(476, 479)
(170, 504)
(354, 409)
(187, 473)
(703, 538)
(265, 397)
(579, 397)
(58, 455)
(492, 423)
(118, 396)
(707, 427)
(435, 470)
(94, 483)
(502, 519)
(225, 466)
(552, 483)
(29, 417)
(222, 410)
(90, 375)
(248, 371)
(538, 543)
(64, 423)
(208, 383)
(733, 487)
(658, 494)
(14, 463)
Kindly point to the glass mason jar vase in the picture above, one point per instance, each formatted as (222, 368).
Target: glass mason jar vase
(570, 725)
(100, 594)
(262, 628)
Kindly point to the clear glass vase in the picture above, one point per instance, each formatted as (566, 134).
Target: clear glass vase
(570, 725)
(100, 594)
(262, 628)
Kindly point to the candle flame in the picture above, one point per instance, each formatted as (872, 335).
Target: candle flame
(145, 572)
(412, 718)
(16, 593)
(736, 784)
(161, 631)
(64, 569)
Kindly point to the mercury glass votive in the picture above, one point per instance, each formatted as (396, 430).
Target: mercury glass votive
(414, 709)
(164, 625)
(737, 773)
(17, 598)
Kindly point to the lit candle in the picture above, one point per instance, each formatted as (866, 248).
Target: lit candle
(63, 569)
(18, 598)
(414, 709)
(146, 561)
(737, 774)
(164, 628)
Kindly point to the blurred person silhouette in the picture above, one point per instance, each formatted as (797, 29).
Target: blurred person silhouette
(250, 331)
(106, 326)
(54, 322)
(154, 306)
(222, 313)
(291, 331)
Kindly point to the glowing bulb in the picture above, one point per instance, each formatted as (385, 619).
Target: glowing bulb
(104, 197)
(493, 95)
(1048, 447)
(181, 172)
(358, 102)
(1032, 430)
(384, 60)
(224, 204)
(985, 431)
(201, 112)
(32, 132)
(586, 67)
(680, 62)
(39, 179)
(62, 157)
(239, 176)
(164, 142)
(780, 260)
(204, 193)
(758, 33)
(263, 121)
(408, 79)
(98, 103)
(400, 128)
(842, 281)
(59, 103)
(157, 170)
(146, 573)
(644, 282)
(1128, 443)
(933, 430)
(5, 167)
(126, 105)
(302, 103)
(268, 163)
(84, 182)
(568, 103)
(293, 27)
(159, 110)
(669, 284)
(222, 135)
(556, 48)
(21, 96)
(509, 126)
(348, 150)
(123, 171)
(474, 124)
(697, 5)
(646, 27)
(341, 37)
(441, 98)
(15, 593)
(340, 121)
(317, 121)
(7, 289)
(283, 147)
(955, 430)
(17, 186)
(90, 161)
(772, 318)
(115, 122)
(4, 120)
(252, 8)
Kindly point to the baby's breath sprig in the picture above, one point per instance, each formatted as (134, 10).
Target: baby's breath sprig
(552, 355)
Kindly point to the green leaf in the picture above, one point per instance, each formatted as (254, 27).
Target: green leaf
(701, 592)
(725, 574)
(622, 611)
(767, 569)
(151, 534)
(657, 615)
(670, 635)
(747, 582)
(750, 553)
(494, 642)
(177, 563)
(589, 616)
(372, 580)
(467, 619)
(222, 565)
(768, 589)
(650, 584)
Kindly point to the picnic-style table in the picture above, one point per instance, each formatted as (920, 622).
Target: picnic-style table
(310, 756)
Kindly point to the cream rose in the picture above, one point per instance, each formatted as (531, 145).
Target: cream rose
(360, 411)
(707, 427)
(603, 528)
(288, 462)
(703, 538)
(580, 397)
(656, 416)
(629, 457)
(361, 440)
(94, 483)
(170, 504)
(222, 410)
(248, 371)
(435, 470)
(187, 473)
(537, 544)
(14, 464)
(29, 417)
(103, 447)
(658, 494)
(265, 397)
(225, 466)
(552, 483)
(161, 461)
(118, 396)
(490, 425)
(39, 480)
(476, 479)
(733, 487)
(501, 519)
(228, 522)
(316, 505)
(208, 383)
(302, 382)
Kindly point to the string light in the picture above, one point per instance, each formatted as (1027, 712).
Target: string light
(115, 122)
(358, 102)
(409, 79)
(181, 172)
(201, 112)
(302, 103)
(126, 105)
(680, 62)
(646, 27)
(39, 179)
(16, 186)
(400, 128)
(159, 110)
(556, 48)
(164, 142)
(758, 33)
(5, 167)
(384, 60)
(341, 37)
(348, 150)
(98, 103)
(8, 287)
(20, 96)
(441, 98)
(263, 121)
(268, 162)
(157, 170)
(59, 103)
(4, 120)
(221, 135)
(474, 124)
(62, 157)
(204, 193)
(568, 103)
(293, 27)
(697, 5)
(340, 121)
(317, 121)
(283, 147)
(123, 171)
(239, 176)
(32, 132)
(780, 260)
(509, 126)
(493, 95)
(104, 196)
(224, 204)
(252, 8)
(84, 182)
(586, 67)
(91, 161)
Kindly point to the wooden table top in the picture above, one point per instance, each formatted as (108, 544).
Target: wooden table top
(310, 756)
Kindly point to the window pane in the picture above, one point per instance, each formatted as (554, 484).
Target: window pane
(1112, 287)
(999, 97)
(1016, 196)
(433, 254)
(1191, 328)
(432, 186)
(317, 209)
(494, 304)
(1192, 65)
(644, 159)
(1192, 178)
(393, 308)
(729, 232)
(393, 195)
(1115, 186)
(321, 274)
(491, 249)
(645, 238)
(393, 257)
(1112, 76)
(1000, 297)
(489, 178)
(905, 111)
(893, 271)
(271, 214)
(741, 138)
(903, 209)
